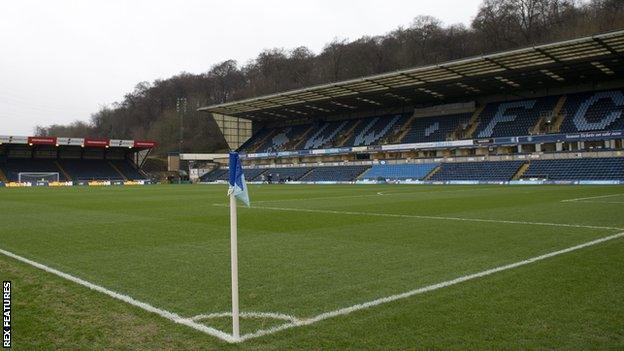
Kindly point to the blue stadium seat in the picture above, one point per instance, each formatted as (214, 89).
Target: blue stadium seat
(514, 118)
(594, 111)
(608, 168)
(334, 174)
(371, 130)
(81, 169)
(429, 129)
(591, 111)
(252, 174)
(11, 167)
(399, 171)
(128, 169)
(481, 171)
(326, 134)
(282, 138)
(284, 173)
(214, 175)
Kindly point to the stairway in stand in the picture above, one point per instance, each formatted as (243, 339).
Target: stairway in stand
(404, 130)
(521, 170)
(67, 176)
(559, 115)
(432, 173)
(346, 136)
(123, 176)
(472, 125)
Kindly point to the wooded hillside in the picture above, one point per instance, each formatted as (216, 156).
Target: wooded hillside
(148, 112)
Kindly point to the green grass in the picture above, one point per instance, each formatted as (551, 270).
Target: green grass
(169, 246)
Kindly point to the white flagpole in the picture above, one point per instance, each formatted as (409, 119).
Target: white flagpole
(234, 258)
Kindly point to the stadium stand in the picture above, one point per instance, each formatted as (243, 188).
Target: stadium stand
(428, 129)
(128, 169)
(281, 138)
(481, 171)
(334, 174)
(514, 118)
(497, 111)
(594, 111)
(285, 173)
(214, 175)
(399, 172)
(611, 168)
(11, 167)
(325, 134)
(90, 170)
(253, 173)
(358, 132)
(371, 130)
(74, 159)
(581, 112)
(590, 111)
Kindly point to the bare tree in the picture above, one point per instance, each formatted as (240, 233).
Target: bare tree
(149, 110)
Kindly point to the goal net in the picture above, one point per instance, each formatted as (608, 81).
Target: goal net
(34, 177)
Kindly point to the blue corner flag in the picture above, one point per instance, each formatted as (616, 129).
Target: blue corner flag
(238, 187)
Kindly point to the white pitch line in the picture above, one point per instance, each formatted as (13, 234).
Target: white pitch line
(376, 214)
(590, 198)
(268, 315)
(381, 193)
(384, 300)
(601, 202)
(127, 299)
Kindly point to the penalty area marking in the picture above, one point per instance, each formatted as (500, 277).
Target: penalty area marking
(294, 321)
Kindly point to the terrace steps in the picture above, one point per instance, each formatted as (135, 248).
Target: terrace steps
(123, 176)
(302, 138)
(142, 172)
(432, 173)
(261, 142)
(362, 173)
(306, 173)
(405, 129)
(138, 169)
(347, 135)
(539, 125)
(472, 125)
(521, 171)
(67, 176)
(559, 116)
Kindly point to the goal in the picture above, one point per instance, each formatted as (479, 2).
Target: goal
(35, 177)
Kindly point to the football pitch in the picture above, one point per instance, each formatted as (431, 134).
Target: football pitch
(321, 267)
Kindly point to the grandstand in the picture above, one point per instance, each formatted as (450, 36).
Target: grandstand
(71, 161)
(553, 112)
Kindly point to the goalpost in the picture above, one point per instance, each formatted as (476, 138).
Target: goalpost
(34, 177)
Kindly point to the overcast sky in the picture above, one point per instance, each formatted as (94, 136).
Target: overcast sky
(60, 60)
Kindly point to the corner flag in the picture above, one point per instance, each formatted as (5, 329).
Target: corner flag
(238, 187)
(237, 190)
